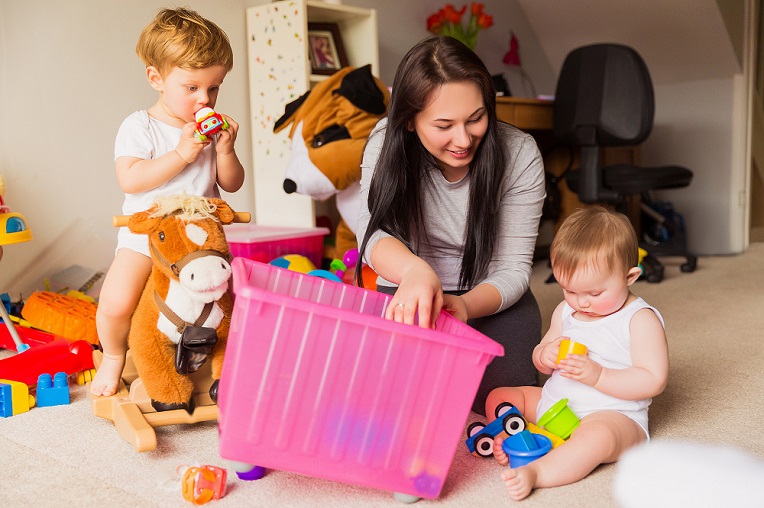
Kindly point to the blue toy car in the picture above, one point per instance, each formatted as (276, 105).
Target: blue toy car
(480, 436)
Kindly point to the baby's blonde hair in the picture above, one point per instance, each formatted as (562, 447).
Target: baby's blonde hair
(592, 236)
(182, 38)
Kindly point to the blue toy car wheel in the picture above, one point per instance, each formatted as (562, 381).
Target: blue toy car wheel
(514, 424)
(480, 436)
(484, 445)
(502, 409)
(474, 428)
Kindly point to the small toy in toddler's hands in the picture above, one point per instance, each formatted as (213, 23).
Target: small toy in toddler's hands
(569, 347)
(208, 123)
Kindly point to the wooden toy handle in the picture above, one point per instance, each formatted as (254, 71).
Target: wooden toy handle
(119, 221)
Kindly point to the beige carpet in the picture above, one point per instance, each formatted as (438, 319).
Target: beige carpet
(65, 456)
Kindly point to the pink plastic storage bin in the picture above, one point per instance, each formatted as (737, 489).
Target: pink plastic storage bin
(266, 243)
(316, 381)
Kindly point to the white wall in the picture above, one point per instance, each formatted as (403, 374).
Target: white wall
(69, 75)
(694, 128)
(695, 52)
(402, 24)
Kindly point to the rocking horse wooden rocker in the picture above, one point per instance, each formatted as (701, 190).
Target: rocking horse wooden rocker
(180, 327)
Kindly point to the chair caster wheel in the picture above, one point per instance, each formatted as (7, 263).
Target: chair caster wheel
(654, 277)
(689, 266)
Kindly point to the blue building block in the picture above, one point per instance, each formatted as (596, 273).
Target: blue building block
(6, 400)
(522, 441)
(14, 398)
(53, 391)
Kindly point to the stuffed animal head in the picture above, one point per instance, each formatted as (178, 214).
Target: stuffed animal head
(187, 242)
(330, 126)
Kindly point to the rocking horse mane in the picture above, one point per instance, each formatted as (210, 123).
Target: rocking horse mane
(186, 207)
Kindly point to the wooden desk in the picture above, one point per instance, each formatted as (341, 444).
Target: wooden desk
(526, 114)
(537, 117)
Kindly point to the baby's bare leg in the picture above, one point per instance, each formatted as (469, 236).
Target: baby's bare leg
(524, 398)
(119, 295)
(600, 439)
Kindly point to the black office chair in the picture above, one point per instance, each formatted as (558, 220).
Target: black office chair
(605, 98)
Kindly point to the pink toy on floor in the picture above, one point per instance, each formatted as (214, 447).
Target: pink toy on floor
(317, 382)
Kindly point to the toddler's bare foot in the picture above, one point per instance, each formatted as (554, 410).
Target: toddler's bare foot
(520, 481)
(106, 379)
(498, 452)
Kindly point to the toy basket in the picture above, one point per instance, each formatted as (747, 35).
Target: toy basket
(316, 381)
(266, 243)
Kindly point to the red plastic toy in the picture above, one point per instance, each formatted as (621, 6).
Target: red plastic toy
(59, 355)
(209, 123)
(30, 336)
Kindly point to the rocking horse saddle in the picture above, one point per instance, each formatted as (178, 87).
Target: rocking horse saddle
(194, 347)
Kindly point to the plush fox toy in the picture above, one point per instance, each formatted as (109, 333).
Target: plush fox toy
(330, 126)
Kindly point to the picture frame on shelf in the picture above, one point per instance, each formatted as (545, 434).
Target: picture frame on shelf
(325, 49)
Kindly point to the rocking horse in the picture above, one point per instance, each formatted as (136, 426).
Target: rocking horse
(180, 326)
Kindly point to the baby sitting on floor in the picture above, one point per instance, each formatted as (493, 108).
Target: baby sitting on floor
(595, 260)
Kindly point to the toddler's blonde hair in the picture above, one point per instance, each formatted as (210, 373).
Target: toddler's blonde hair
(591, 237)
(182, 38)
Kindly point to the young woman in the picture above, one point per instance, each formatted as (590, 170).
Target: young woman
(451, 206)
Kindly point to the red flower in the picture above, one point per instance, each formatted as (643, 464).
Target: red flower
(452, 15)
(448, 21)
(434, 23)
(484, 20)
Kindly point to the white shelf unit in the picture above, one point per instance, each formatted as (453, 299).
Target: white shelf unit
(279, 73)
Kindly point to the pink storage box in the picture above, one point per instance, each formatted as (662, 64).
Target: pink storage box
(266, 243)
(316, 381)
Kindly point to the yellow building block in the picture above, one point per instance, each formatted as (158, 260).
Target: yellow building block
(20, 400)
(535, 429)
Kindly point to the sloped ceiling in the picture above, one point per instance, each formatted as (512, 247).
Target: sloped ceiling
(680, 40)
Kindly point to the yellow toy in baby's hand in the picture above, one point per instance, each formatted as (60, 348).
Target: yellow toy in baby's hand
(569, 347)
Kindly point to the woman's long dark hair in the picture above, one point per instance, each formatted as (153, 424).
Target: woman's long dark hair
(395, 199)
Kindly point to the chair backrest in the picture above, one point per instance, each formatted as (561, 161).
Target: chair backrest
(604, 97)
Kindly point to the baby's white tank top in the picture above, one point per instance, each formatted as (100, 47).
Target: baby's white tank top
(609, 343)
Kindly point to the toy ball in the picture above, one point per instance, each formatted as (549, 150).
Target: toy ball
(325, 274)
(294, 262)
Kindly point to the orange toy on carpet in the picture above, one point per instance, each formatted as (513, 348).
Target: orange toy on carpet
(184, 312)
(62, 315)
